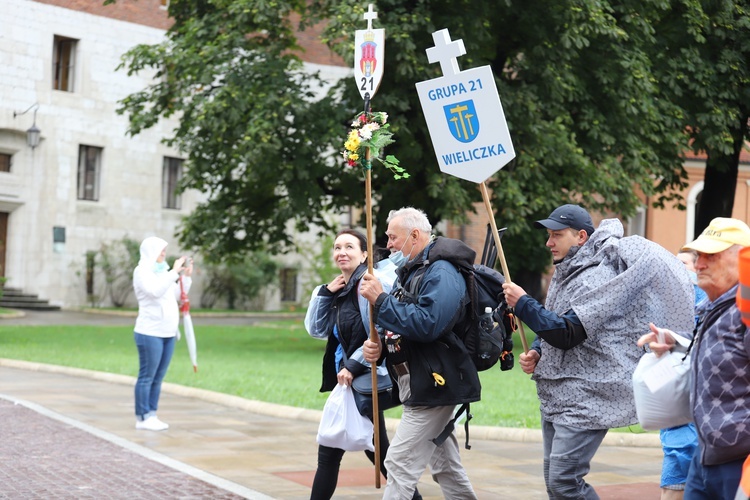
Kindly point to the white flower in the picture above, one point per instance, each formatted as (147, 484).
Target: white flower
(366, 131)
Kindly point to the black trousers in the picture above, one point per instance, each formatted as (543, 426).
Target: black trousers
(329, 462)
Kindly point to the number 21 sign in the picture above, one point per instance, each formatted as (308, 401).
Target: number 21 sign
(369, 57)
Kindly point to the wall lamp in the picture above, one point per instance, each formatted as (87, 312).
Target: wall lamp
(33, 135)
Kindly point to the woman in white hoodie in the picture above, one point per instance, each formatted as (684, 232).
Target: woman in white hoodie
(156, 327)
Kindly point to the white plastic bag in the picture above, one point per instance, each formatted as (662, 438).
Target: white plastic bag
(341, 425)
(661, 387)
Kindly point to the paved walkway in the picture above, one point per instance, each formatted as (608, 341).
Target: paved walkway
(70, 433)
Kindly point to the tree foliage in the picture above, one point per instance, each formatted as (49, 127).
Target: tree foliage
(238, 282)
(702, 61)
(600, 96)
(255, 141)
(116, 260)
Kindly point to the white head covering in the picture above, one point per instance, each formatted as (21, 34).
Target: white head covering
(151, 247)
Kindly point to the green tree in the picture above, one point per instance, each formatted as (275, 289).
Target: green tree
(255, 140)
(594, 104)
(238, 281)
(117, 260)
(587, 118)
(703, 50)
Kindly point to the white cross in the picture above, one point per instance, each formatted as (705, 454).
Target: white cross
(445, 52)
(369, 16)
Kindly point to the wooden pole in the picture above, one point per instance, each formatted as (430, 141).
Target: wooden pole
(500, 253)
(373, 332)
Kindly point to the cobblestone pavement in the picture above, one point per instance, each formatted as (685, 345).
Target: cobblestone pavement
(45, 458)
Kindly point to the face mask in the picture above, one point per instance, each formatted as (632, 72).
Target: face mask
(160, 267)
(398, 258)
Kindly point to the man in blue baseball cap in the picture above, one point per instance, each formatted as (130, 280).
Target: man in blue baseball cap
(604, 291)
(568, 217)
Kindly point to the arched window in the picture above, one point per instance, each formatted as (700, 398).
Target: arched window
(693, 202)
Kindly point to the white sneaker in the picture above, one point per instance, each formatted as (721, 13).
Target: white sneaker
(151, 424)
(164, 426)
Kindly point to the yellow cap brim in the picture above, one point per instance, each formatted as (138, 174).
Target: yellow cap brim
(706, 244)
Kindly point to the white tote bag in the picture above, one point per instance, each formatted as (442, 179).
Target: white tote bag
(342, 426)
(661, 387)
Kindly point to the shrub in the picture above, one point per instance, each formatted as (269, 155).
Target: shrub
(238, 282)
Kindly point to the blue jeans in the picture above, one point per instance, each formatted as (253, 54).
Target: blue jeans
(567, 458)
(154, 355)
(712, 482)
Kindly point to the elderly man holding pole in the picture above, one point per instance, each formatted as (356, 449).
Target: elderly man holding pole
(431, 366)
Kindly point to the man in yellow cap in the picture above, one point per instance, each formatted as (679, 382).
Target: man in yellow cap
(720, 365)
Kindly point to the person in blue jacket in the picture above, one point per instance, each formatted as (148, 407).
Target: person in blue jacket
(679, 443)
(428, 362)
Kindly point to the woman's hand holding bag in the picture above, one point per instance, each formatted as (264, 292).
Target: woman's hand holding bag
(661, 387)
(342, 426)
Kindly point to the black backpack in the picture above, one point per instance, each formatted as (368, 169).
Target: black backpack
(484, 327)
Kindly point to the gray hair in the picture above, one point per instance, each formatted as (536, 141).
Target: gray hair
(411, 218)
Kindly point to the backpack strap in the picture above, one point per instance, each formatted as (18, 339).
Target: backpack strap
(411, 290)
(452, 424)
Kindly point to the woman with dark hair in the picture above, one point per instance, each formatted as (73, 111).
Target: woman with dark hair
(340, 315)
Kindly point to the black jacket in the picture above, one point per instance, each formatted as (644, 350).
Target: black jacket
(344, 314)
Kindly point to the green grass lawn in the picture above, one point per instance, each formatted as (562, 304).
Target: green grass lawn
(276, 362)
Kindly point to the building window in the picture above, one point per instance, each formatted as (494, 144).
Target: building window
(170, 177)
(693, 202)
(63, 63)
(164, 4)
(637, 224)
(288, 283)
(5, 162)
(346, 219)
(90, 267)
(89, 172)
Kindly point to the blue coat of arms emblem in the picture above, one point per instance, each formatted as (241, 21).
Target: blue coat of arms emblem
(462, 120)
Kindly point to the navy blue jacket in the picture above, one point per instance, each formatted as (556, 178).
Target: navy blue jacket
(424, 324)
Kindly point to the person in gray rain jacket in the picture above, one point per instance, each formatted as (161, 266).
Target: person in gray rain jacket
(156, 327)
(604, 292)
